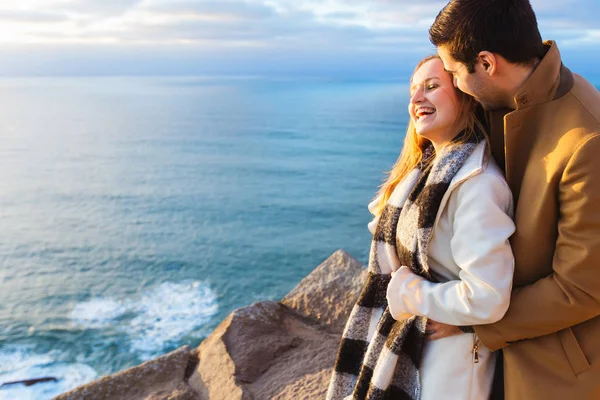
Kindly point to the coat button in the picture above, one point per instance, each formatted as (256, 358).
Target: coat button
(522, 99)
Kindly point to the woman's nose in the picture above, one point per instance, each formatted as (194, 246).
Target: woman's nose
(417, 96)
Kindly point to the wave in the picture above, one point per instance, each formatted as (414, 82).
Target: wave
(21, 362)
(161, 317)
(97, 313)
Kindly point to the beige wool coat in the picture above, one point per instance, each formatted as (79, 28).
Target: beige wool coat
(550, 148)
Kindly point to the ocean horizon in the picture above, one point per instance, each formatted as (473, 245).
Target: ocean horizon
(138, 212)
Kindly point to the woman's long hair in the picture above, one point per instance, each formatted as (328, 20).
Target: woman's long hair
(412, 153)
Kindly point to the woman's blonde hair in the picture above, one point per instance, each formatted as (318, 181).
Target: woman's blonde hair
(412, 153)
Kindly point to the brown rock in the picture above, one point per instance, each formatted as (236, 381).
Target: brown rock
(284, 350)
(240, 350)
(304, 371)
(180, 392)
(264, 351)
(328, 293)
(310, 387)
(155, 379)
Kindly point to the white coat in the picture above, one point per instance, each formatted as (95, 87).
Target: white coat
(470, 255)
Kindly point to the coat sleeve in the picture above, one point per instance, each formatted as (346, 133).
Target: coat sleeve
(481, 208)
(372, 206)
(571, 294)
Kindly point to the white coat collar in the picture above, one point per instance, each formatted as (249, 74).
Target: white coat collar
(473, 164)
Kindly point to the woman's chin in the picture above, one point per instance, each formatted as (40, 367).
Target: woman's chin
(422, 133)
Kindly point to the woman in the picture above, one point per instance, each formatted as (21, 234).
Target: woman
(440, 250)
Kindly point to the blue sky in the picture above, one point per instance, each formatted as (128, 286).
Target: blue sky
(247, 37)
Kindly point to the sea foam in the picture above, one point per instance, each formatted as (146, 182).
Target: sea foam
(22, 362)
(97, 313)
(160, 317)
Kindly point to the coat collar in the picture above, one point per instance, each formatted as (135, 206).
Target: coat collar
(472, 165)
(549, 80)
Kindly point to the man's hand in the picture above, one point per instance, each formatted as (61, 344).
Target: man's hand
(436, 330)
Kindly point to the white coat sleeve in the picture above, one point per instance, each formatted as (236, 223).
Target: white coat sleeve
(372, 206)
(481, 227)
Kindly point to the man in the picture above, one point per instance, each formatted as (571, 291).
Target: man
(544, 126)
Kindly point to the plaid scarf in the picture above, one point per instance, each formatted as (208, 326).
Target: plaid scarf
(379, 357)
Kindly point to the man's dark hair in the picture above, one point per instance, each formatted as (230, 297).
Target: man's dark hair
(505, 27)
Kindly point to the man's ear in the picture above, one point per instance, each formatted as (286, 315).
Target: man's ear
(488, 61)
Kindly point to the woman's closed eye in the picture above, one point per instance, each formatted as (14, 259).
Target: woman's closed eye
(428, 87)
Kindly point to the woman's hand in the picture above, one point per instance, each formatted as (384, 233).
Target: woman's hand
(436, 330)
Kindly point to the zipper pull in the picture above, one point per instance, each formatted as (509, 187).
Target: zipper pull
(476, 352)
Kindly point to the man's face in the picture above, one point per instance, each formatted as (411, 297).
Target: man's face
(477, 84)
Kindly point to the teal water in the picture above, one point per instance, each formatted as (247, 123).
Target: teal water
(136, 213)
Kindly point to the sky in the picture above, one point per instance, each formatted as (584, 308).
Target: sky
(354, 38)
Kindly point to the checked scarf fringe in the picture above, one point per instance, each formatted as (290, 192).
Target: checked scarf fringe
(379, 357)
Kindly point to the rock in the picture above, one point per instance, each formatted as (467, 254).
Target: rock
(30, 382)
(303, 372)
(261, 350)
(180, 392)
(311, 386)
(244, 345)
(328, 293)
(286, 350)
(161, 378)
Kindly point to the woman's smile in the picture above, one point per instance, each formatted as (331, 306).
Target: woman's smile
(424, 112)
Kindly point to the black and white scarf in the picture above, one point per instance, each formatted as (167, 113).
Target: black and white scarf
(379, 357)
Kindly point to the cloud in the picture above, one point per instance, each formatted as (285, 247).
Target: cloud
(266, 23)
(320, 29)
(228, 10)
(383, 24)
(31, 16)
(567, 14)
(92, 8)
(378, 14)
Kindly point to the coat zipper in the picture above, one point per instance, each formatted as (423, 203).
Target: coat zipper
(475, 350)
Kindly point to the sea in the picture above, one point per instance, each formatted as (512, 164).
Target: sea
(137, 212)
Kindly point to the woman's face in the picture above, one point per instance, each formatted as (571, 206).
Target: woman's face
(434, 104)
